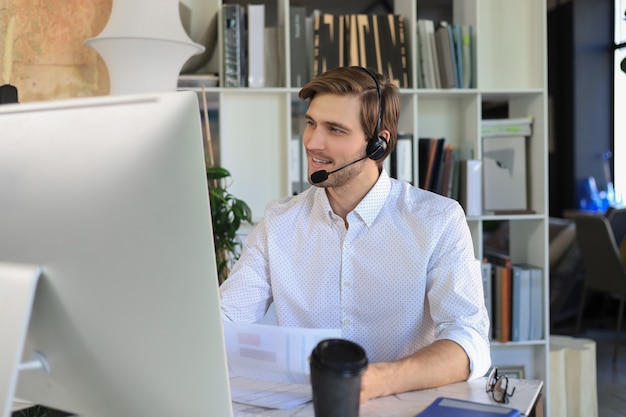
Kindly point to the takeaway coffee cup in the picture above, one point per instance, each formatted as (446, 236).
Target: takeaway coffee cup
(336, 369)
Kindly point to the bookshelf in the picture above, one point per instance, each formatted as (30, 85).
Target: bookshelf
(254, 128)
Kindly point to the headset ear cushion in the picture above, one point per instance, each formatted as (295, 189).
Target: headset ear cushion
(376, 148)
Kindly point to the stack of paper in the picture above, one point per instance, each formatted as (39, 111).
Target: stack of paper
(269, 365)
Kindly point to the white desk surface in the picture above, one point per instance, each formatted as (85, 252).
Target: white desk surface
(409, 404)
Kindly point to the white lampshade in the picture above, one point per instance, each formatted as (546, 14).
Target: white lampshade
(144, 46)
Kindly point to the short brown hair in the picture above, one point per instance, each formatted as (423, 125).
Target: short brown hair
(356, 81)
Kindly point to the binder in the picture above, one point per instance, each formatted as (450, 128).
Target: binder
(450, 407)
(234, 65)
(299, 53)
(470, 186)
(256, 45)
(504, 173)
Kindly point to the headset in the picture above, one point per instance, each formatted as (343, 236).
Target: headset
(376, 144)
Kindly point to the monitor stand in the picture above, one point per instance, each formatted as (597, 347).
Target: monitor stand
(17, 292)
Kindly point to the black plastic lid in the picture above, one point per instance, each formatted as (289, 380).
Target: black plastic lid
(8, 94)
(341, 356)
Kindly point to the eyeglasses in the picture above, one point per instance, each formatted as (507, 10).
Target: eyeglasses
(498, 385)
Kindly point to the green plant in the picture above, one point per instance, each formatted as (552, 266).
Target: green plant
(40, 411)
(34, 411)
(227, 215)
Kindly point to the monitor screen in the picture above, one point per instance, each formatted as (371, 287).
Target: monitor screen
(107, 196)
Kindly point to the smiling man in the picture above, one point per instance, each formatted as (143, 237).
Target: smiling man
(389, 264)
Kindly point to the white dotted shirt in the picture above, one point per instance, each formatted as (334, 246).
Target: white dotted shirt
(401, 276)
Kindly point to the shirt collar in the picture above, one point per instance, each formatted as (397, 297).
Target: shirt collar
(367, 209)
(373, 201)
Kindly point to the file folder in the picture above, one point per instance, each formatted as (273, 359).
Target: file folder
(450, 407)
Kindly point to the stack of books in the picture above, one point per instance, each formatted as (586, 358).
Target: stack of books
(513, 297)
(445, 55)
(438, 167)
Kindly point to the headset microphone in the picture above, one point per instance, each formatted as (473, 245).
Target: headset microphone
(321, 176)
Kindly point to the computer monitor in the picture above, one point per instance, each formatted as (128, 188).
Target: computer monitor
(105, 236)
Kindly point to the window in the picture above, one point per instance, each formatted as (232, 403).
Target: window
(619, 100)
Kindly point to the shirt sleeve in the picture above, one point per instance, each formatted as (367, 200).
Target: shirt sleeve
(455, 293)
(246, 294)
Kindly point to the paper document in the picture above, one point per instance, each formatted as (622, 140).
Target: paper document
(269, 394)
(269, 365)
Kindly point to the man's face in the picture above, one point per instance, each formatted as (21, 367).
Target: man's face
(334, 137)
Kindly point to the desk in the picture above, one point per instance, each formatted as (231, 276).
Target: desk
(409, 404)
(527, 392)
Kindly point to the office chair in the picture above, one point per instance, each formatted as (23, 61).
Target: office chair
(617, 220)
(604, 269)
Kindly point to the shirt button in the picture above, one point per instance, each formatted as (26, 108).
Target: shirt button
(346, 283)
(346, 321)
(346, 245)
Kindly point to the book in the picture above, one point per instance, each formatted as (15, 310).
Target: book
(455, 181)
(536, 301)
(234, 66)
(470, 186)
(428, 50)
(430, 26)
(521, 308)
(521, 126)
(298, 167)
(419, 63)
(308, 36)
(537, 295)
(274, 58)
(298, 46)
(467, 39)
(447, 173)
(401, 161)
(455, 65)
(452, 407)
(425, 55)
(486, 271)
(504, 173)
(501, 286)
(361, 41)
(503, 297)
(255, 37)
(393, 49)
(437, 165)
(430, 153)
(423, 155)
(445, 56)
(328, 42)
(372, 41)
(458, 52)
